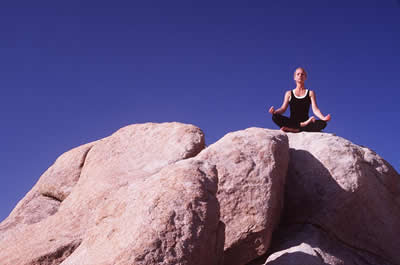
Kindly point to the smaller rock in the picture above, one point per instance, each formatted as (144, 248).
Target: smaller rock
(251, 166)
(308, 244)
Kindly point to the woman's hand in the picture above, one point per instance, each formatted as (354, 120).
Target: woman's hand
(327, 117)
(271, 110)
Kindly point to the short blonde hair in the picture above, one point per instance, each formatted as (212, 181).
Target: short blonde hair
(304, 70)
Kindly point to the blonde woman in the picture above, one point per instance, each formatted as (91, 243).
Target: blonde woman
(299, 100)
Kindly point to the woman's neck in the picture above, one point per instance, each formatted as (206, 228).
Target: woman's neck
(300, 87)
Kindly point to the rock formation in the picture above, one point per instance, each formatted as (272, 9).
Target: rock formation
(341, 205)
(251, 167)
(154, 194)
(128, 204)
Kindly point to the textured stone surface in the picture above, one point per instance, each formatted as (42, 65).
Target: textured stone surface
(151, 194)
(52, 188)
(251, 167)
(347, 191)
(171, 217)
(106, 189)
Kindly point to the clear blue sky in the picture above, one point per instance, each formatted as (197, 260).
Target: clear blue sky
(73, 72)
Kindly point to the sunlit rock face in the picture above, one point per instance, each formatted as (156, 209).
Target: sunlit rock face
(155, 194)
(126, 199)
(251, 166)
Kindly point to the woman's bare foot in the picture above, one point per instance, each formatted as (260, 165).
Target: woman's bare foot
(288, 129)
(305, 123)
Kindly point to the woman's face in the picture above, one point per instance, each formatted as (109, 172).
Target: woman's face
(300, 75)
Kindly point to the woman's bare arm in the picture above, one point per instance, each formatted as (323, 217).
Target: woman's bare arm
(315, 108)
(284, 106)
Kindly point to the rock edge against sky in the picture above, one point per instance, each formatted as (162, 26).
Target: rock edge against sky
(155, 194)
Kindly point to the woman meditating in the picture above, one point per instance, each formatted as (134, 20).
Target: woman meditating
(299, 100)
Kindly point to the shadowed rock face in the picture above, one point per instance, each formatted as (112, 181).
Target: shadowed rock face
(153, 194)
(346, 198)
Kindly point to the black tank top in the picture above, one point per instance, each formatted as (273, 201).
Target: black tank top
(299, 107)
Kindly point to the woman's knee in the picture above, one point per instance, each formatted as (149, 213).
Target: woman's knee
(320, 125)
(276, 118)
(323, 124)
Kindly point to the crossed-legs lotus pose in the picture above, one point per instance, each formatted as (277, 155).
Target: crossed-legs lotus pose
(299, 100)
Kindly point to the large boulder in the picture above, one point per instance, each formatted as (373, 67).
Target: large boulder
(348, 195)
(126, 200)
(171, 217)
(251, 166)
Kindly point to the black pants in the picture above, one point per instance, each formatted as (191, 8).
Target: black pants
(283, 121)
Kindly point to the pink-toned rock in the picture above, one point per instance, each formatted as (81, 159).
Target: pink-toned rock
(346, 191)
(52, 188)
(171, 217)
(132, 153)
(145, 195)
(107, 193)
(251, 167)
